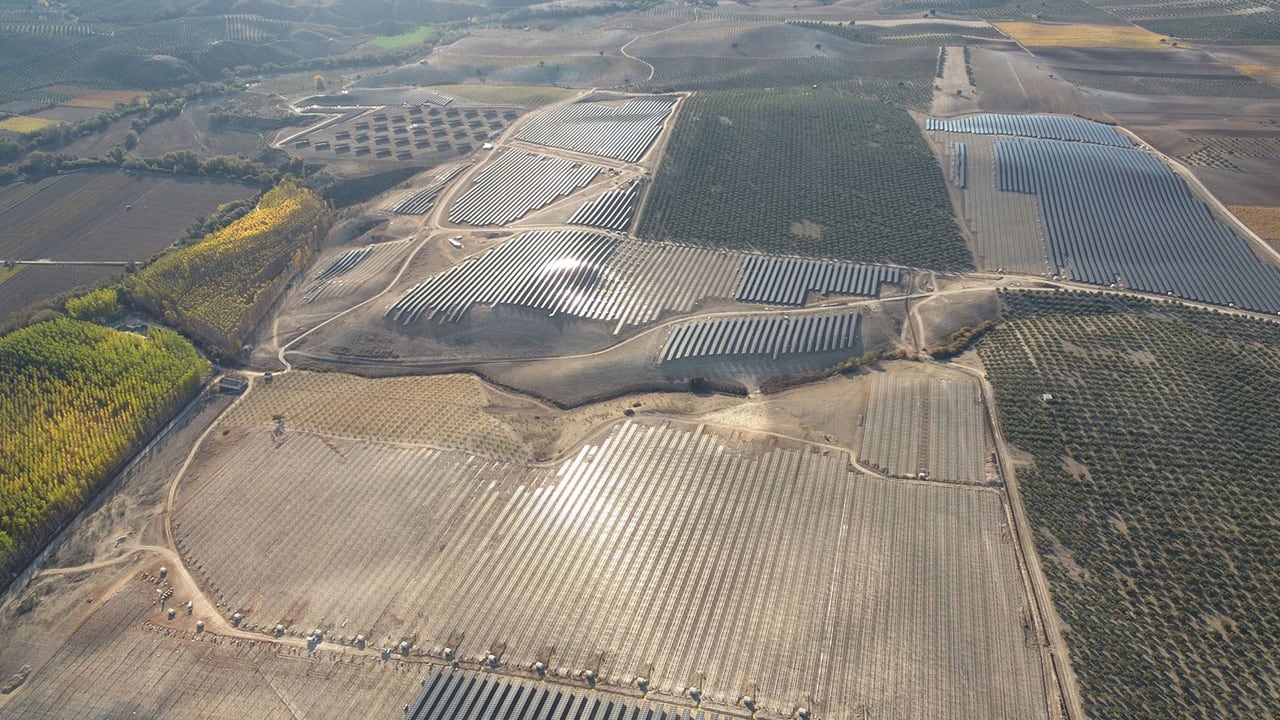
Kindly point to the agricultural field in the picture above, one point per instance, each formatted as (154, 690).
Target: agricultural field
(447, 410)
(529, 97)
(418, 134)
(921, 425)
(1034, 35)
(76, 400)
(105, 215)
(25, 124)
(220, 288)
(516, 183)
(616, 130)
(1265, 221)
(576, 564)
(1149, 482)
(803, 173)
(24, 287)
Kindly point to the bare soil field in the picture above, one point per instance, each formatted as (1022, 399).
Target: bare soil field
(593, 562)
(108, 215)
(1015, 82)
(191, 130)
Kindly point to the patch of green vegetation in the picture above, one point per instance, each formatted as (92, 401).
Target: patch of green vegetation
(817, 173)
(423, 34)
(8, 272)
(219, 289)
(526, 96)
(76, 400)
(1155, 433)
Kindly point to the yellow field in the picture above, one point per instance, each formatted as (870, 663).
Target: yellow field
(22, 124)
(1263, 220)
(104, 99)
(1258, 69)
(1040, 35)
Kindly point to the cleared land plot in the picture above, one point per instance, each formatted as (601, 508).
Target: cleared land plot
(1150, 484)
(445, 410)
(1118, 215)
(112, 215)
(617, 131)
(1044, 35)
(1265, 221)
(803, 173)
(353, 269)
(632, 556)
(127, 660)
(768, 336)
(516, 183)
(932, 426)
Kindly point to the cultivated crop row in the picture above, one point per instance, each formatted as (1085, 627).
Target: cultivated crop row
(771, 336)
(634, 557)
(1050, 127)
(610, 211)
(1151, 486)
(516, 183)
(1121, 216)
(826, 175)
(622, 132)
(934, 427)
(788, 281)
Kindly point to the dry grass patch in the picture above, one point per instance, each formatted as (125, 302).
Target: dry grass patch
(1079, 35)
(1265, 221)
(23, 124)
(104, 99)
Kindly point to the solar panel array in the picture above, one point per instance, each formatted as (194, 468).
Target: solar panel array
(450, 694)
(344, 263)
(622, 132)
(769, 335)
(959, 166)
(611, 211)
(1121, 215)
(788, 281)
(599, 277)
(420, 203)
(516, 183)
(1050, 127)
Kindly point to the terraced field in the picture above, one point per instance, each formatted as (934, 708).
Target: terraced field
(935, 427)
(616, 559)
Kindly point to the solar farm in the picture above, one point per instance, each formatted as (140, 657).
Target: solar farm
(782, 362)
(624, 281)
